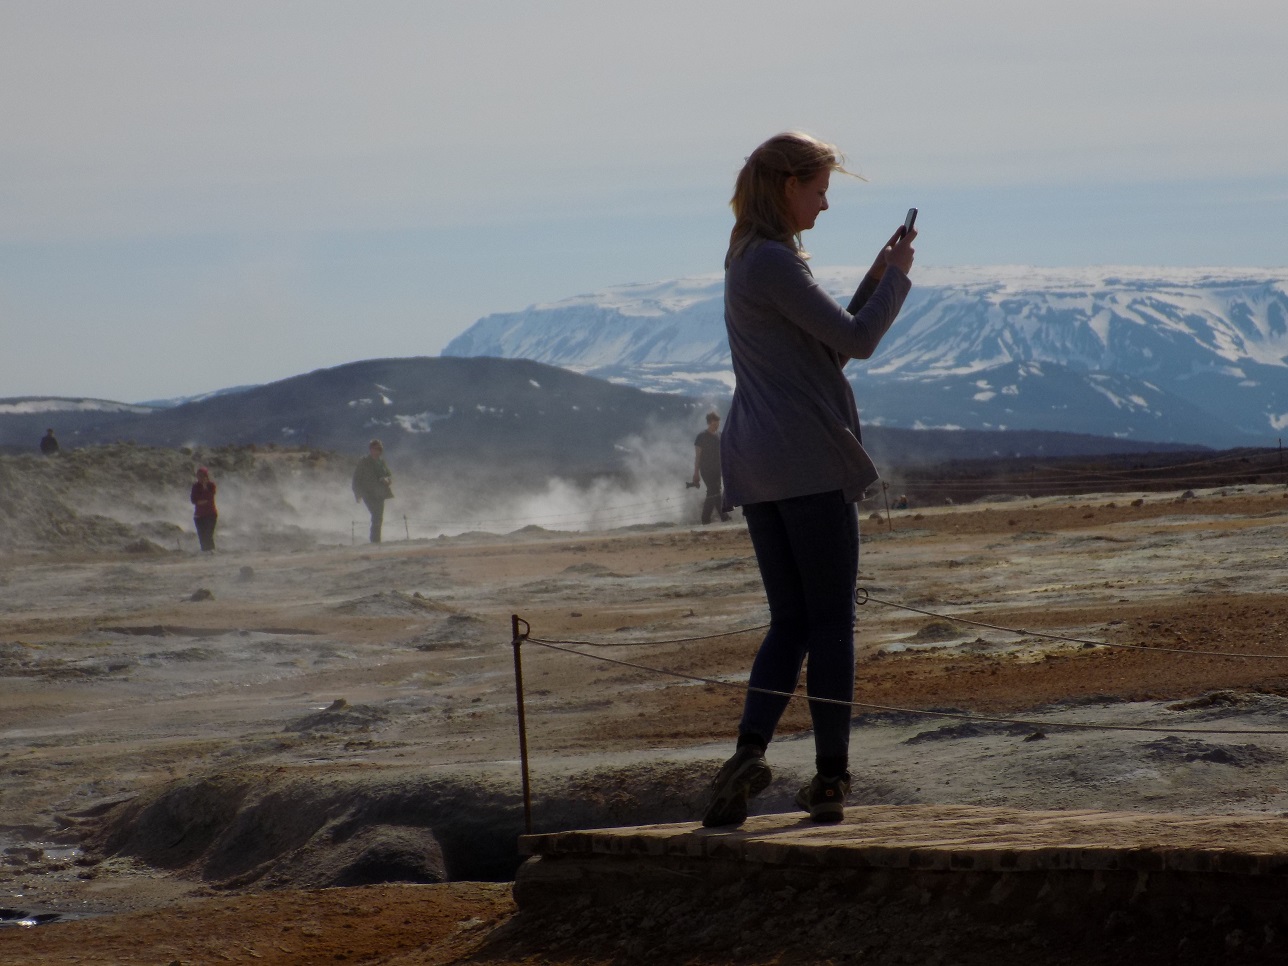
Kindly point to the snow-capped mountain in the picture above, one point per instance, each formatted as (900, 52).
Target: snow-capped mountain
(1186, 355)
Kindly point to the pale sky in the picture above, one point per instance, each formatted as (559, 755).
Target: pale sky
(201, 195)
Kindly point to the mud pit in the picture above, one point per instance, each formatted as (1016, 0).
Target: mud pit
(337, 715)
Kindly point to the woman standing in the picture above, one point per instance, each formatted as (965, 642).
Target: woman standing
(793, 461)
(204, 514)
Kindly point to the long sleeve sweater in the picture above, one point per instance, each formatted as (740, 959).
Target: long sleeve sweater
(203, 499)
(793, 427)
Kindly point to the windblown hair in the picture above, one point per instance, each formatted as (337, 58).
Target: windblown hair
(759, 200)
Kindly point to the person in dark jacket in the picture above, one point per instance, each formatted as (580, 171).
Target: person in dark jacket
(706, 466)
(372, 485)
(48, 443)
(204, 513)
(792, 459)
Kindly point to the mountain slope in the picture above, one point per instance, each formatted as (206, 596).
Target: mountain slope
(1197, 355)
(481, 411)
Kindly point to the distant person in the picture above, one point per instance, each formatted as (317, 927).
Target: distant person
(48, 443)
(372, 485)
(706, 464)
(793, 461)
(204, 514)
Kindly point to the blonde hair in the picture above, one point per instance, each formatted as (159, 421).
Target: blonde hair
(759, 199)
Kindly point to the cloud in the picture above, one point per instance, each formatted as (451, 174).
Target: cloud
(161, 117)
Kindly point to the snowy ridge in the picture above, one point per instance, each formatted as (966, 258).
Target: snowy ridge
(34, 405)
(1185, 354)
(1128, 321)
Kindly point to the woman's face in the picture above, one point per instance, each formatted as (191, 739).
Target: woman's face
(806, 199)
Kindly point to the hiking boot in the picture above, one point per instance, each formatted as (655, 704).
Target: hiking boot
(824, 798)
(739, 778)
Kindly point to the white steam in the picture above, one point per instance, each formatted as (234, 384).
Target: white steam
(275, 499)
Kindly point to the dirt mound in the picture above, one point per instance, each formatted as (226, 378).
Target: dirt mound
(1173, 748)
(315, 829)
(391, 603)
(453, 631)
(236, 831)
(340, 716)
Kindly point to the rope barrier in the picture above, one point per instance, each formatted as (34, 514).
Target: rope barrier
(863, 596)
(522, 632)
(645, 643)
(960, 716)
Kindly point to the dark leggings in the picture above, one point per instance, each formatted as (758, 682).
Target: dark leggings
(206, 531)
(808, 551)
(711, 505)
(376, 507)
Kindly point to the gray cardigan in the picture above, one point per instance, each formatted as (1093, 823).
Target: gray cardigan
(793, 428)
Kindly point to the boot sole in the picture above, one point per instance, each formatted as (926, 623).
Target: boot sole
(729, 803)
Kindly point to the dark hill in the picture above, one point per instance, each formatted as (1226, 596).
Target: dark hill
(480, 410)
(496, 415)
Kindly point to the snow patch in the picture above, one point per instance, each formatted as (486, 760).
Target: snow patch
(421, 422)
(30, 407)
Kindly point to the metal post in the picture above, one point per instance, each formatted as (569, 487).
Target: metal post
(517, 640)
(406, 528)
(885, 493)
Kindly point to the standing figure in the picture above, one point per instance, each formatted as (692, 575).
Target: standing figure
(793, 461)
(204, 514)
(706, 464)
(48, 444)
(371, 485)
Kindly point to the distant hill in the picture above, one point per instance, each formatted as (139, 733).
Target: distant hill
(490, 412)
(1191, 356)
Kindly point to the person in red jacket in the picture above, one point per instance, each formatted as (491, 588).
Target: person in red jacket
(204, 514)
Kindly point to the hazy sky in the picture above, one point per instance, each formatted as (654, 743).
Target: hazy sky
(202, 195)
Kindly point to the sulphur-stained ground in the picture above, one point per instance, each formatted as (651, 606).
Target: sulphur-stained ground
(209, 759)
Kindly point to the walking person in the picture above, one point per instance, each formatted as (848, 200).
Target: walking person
(793, 460)
(204, 514)
(372, 485)
(706, 466)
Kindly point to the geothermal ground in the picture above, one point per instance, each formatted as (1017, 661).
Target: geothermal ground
(300, 751)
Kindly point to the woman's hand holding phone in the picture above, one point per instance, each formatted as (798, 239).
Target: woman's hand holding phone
(898, 251)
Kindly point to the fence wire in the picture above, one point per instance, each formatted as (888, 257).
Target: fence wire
(523, 635)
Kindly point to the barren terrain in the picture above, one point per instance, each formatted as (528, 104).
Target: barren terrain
(299, 750)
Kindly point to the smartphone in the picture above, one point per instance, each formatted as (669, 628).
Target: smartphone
(909, 222)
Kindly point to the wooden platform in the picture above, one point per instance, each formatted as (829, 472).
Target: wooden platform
(956, 838)
(1168, 882)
